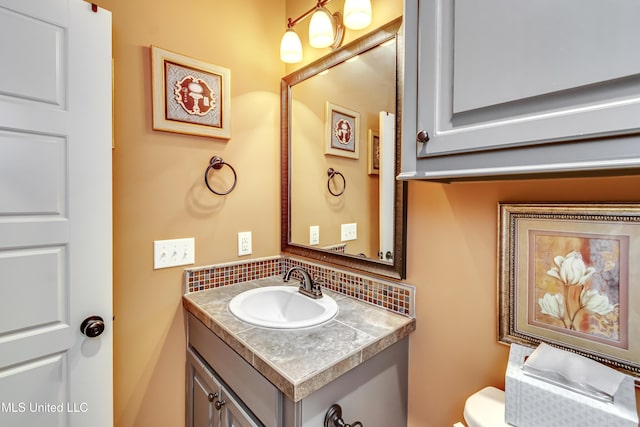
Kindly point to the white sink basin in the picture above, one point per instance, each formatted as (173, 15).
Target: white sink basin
(282, 307)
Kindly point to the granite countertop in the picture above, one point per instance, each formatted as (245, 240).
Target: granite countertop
(300, 361)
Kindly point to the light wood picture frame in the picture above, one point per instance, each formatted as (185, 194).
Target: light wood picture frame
(373, 152)
(190, 96)
(342, 131)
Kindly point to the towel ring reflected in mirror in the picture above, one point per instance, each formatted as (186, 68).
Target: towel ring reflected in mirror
(331, 172)
(216, 163)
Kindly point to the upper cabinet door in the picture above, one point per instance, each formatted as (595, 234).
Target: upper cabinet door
(511, 87)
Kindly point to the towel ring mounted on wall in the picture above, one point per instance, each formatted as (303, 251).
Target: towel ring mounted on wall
(217, 163)
(332, 173)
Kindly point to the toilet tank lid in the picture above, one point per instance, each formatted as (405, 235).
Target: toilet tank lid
(485, 408)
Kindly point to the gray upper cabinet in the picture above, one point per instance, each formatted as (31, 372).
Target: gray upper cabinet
(513, 88)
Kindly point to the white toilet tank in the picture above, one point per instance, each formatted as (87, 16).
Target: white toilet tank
(485, 408)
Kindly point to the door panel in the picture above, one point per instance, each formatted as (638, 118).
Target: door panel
(36, 167)
(32, 391)
(35, 294)
(510, 51)
(37, 71)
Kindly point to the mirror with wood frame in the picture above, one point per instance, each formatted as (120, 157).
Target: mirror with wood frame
(340, 141)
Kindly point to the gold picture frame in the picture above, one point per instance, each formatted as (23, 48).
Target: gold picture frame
(342, 131)
(190, 96)
(373, 152)
(567, 277)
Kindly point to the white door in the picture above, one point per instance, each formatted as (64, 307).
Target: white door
(387, 146)
(55, 213)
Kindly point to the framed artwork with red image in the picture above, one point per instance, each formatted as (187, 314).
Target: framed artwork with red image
(343, 131)
(190, 96)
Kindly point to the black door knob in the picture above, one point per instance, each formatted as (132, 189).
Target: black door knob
(92, 326)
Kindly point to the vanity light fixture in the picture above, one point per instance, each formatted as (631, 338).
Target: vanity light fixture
(325, 29)
(357, 14)
(290, 47)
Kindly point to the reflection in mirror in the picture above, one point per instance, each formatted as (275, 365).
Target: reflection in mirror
(339, 114)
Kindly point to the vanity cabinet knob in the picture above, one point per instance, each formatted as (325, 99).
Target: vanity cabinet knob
(422, 136)
(212, 396)
(219, 404)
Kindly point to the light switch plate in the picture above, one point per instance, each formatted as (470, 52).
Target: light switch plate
(314, 234)
(170, 253)
(244, 243)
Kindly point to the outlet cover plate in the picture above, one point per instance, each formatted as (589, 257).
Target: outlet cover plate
(244, 243)
(170, 253)
(314, 234)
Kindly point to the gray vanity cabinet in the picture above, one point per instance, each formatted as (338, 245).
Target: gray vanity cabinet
(374, 392)
(505, 88)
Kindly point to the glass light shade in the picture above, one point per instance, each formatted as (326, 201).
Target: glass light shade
(290, 47)
(321, 31)
(357, 14)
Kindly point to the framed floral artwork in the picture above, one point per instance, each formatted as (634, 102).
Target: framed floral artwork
(190, 96)
(567, 277)
(373, 152)
(342, 131)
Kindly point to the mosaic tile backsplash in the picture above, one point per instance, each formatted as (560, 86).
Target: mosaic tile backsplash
(393, 296)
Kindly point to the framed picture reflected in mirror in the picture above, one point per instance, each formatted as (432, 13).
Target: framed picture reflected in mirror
(343, 131)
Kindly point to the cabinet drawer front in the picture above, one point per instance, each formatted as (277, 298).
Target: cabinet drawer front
(257, 393)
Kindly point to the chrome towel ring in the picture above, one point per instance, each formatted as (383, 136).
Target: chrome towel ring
(332, 173)
(217, 163)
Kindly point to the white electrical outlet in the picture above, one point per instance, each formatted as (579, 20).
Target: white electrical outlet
(349, 231)
(170, 253)
(244, 243)
(314, 234)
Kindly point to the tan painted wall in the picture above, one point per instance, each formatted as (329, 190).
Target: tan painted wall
(451, 245)
(159, 191)
(159, 194)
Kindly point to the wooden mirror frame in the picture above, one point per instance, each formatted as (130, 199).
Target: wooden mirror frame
(396, 269)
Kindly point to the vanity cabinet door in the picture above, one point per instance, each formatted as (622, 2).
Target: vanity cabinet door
(233, 414)
(504, 87)
(202, 393)
(209, 402)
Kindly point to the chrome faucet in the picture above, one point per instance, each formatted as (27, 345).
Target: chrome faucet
(307, 286)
